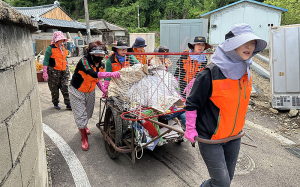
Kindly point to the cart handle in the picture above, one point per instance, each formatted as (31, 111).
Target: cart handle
(144, 118)
(224, 140)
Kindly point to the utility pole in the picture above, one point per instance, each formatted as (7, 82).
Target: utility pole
(88, 31)
(138, 14)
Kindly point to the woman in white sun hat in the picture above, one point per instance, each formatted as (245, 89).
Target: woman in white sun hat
(217, 105)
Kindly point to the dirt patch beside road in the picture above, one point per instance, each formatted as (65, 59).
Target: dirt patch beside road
(265, 53)
(261, 83)
(262, 63)
(261, 102)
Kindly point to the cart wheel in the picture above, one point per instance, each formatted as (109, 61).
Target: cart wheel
(109, 128)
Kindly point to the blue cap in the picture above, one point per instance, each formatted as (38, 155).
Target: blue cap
(139, 42)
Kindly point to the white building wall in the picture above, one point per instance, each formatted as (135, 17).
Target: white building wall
(149, 40)
(255, 15)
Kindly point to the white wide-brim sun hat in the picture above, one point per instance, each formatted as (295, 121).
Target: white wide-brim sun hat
(99, 52)
(240, 34)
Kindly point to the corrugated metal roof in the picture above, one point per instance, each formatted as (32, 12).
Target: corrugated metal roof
(61, 23)
(35, 11)
(39, 10)
(104, 25)
(259, 3)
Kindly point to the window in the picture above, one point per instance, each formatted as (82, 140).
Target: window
(79, 42)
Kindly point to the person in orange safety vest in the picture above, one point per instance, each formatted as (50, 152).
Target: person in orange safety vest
(188, 66)
(88, 72)
(217, 105)
(56, 69)
(118, 60)
(138, 47)
(160, 59)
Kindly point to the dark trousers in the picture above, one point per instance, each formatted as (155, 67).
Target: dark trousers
(179, 115)
(220, 160)
(58, 80)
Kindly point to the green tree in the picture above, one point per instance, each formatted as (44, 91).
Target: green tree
(293, 14)
(124, 16)
(124, 12)
(27, 3)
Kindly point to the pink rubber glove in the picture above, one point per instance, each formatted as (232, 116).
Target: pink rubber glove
(188, 87)
(190, 130)
(45, 74)
(176, 78)
(105, 88)
(102, 75)
(101, 87)
(104, 95)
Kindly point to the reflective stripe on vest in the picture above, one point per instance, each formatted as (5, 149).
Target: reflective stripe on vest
(59, 59)
(115, 64)
(232, 98)
(89, 82)
(191, 69)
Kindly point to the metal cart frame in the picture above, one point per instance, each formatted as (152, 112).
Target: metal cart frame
(111, 121)
(110, 129)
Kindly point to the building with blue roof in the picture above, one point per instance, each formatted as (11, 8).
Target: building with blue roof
(260, 16)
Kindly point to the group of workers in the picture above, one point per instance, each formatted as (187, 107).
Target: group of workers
(215, 107)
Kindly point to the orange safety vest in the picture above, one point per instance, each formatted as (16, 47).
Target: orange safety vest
(232, 98)
(115, 64)
(141, 58)
(57, 60)
(101, 69)
(89, 82)
(191, 69)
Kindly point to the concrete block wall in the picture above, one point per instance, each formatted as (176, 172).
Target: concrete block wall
(22, 148)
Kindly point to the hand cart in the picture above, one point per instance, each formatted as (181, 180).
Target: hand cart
(120, 114)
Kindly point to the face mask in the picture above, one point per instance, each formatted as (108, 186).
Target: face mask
(97, 59)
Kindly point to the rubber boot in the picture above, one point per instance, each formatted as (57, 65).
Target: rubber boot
(87, 131)
(84, 140)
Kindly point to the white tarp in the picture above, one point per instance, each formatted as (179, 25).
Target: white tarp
(157, 90)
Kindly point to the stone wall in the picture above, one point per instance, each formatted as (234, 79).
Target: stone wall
(22, 148)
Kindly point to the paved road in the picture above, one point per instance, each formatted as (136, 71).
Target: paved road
(270, 164)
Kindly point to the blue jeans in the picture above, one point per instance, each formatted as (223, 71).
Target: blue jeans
(220, 160)
(182, 118)
(179, 115)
